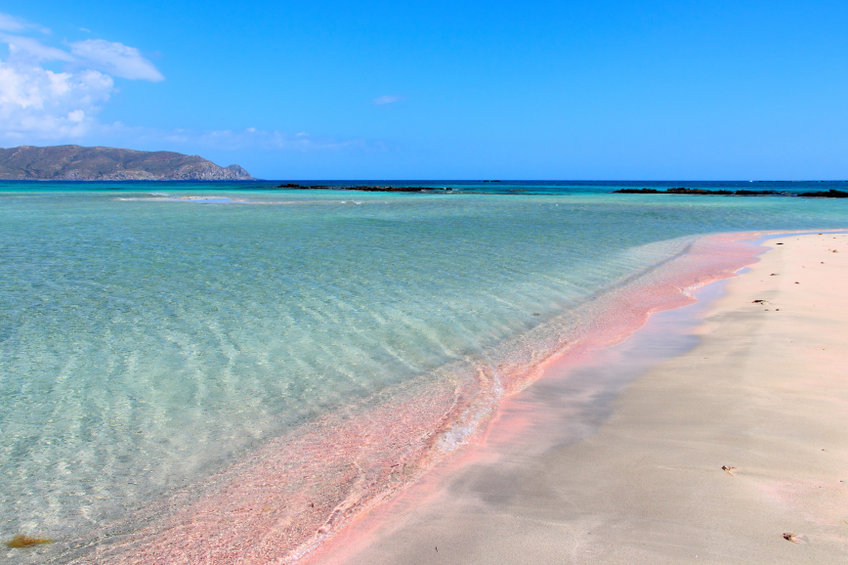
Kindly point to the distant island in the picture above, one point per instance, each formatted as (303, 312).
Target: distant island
(76, 163)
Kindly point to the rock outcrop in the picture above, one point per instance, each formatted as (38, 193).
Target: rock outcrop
(365, 188)
(701, 191)
(75, 163)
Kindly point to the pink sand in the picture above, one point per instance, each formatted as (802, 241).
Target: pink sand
(733, 451)
(322, 491)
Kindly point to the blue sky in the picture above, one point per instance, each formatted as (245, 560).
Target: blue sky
(442, 90)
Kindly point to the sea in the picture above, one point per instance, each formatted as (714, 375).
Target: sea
(158, 340)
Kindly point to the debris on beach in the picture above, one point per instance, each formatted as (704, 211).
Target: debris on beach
(759, 301)
(25, 541)
(789, 536)
(728, 470)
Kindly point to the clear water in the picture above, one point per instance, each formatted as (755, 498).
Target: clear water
(150, 334)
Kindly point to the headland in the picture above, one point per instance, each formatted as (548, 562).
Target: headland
(76, 163)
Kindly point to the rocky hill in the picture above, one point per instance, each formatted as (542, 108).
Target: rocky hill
(72, 162)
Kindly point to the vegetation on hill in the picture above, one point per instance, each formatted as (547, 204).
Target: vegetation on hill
(72, 162)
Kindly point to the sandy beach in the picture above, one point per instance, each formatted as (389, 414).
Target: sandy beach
(735, 450)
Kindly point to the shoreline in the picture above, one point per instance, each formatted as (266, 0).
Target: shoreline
(665, 286)
(732, 451)
(261, 510)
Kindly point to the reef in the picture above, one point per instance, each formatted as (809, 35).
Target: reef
(702, 191)
(365, 188)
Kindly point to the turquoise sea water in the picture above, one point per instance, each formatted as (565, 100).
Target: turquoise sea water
(152, 333)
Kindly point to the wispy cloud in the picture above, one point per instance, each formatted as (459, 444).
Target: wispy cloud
(38, 102)
(115, 59)
(17, 25)
(21, 47)
(231, 139)
(387, 99)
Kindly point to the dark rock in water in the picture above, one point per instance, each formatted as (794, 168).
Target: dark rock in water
(756, 192)
(825, 194)
(637, 191)
(75, 163)
(684, 190)
(367, 188)
(675, 190)
(721, 192)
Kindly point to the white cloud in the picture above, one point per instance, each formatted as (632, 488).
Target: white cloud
(388, 99)
(40, 103)
(116, 59)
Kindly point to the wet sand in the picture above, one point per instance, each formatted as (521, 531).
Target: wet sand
(735, 450)
(296, 497)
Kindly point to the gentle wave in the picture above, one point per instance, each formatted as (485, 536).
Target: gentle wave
(212, 199)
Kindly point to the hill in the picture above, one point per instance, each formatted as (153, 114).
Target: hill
(72, 162)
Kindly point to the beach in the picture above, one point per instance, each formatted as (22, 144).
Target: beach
(212, 376)
(733, 451)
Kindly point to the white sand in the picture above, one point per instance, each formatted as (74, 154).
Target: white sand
(765, 392)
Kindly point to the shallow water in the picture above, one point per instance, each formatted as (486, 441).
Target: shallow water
(152, 335)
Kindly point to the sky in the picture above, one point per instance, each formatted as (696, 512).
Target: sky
(439, 90)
